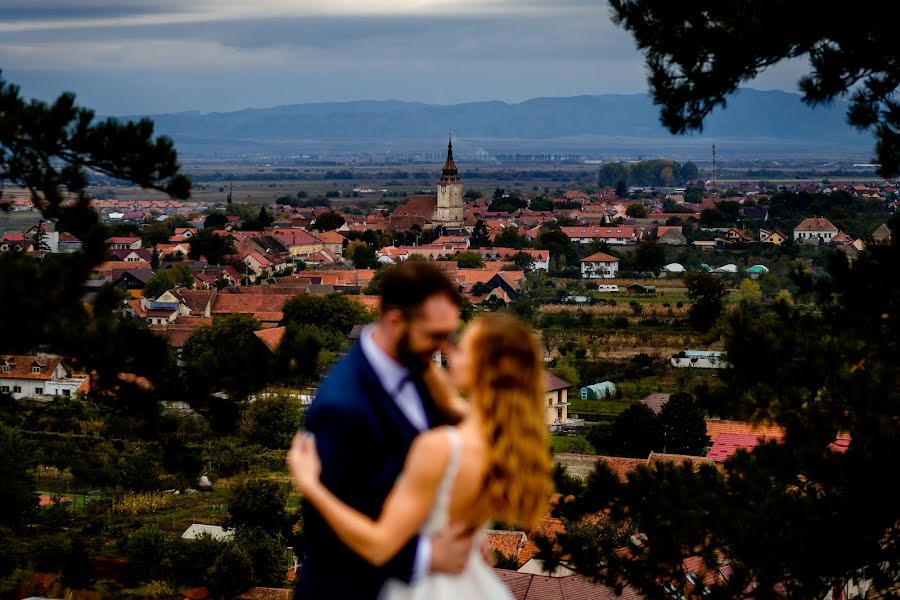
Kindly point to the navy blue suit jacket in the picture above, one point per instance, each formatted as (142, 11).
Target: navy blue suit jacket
(362, 438)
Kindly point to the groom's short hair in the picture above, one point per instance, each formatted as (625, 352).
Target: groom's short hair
(409, 285)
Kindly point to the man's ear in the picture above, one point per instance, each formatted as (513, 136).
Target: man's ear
(393, 318)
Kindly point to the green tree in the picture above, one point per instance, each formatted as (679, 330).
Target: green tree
(178, 275)
(635, 433)
(215, 220)
(523, 261)
(264, 218)
(226, 356)
(749, 291)
(648, 256)
(258, 503)
(232, 573)
(48, 149)
(329, 221)
(272, 420)
(149, 550)
(365, 257)
(469, 260)
(793, 518)
(332, 312)
(268, 555)
(39, 237)
(18, 497)
(693, 195)
(510, 238)
(211, 245)
(552, 238)
(154, 233)
(707, 294)
(735, 41)
(636, 210)
(480, 235)
(621, 189)
(682, 425)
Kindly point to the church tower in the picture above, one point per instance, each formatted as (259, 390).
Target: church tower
(449, 210)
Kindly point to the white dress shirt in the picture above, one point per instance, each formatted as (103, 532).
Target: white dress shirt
(395, 379)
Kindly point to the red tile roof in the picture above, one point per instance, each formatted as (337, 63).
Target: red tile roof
(20, 366)
(507, 543)
(525, 586)
(716, 426)
(655, 401)
(815, 224)
(622, 466)
(271, 337)
(555, 383)
(600, 257)
(549, 528)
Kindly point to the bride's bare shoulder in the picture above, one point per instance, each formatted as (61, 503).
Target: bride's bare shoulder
(429, 454)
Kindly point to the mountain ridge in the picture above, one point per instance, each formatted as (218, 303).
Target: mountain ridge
(751, 116)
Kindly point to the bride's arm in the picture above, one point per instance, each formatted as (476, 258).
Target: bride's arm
(405, 509)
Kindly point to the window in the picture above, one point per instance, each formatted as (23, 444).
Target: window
(17, 389)
(67, 393)
(4, 388)
(39, 391)
(35, 369)
(7, 368)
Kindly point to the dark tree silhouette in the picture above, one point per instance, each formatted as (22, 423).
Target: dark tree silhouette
(795, 518)
(699, 51)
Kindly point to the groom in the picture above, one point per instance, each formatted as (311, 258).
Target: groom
(364, 417)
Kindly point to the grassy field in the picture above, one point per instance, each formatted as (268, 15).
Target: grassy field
(18, 221)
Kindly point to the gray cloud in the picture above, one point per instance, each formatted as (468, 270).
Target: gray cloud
(220, 55)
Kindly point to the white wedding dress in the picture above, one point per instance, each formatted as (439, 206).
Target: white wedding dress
(477, 580)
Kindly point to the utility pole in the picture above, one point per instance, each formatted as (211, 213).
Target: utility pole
(714, 164)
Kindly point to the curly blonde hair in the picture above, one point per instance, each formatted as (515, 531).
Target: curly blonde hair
(508, 389)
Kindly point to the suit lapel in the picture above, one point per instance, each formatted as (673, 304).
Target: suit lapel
(382, 400)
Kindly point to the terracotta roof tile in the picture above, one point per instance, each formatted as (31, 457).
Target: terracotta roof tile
(716, 426)
(655, 401)
(549, 528)
(507, 543)
(271, 337)
(21, 366)
(554, 383)
(600, 257)
(622, 466)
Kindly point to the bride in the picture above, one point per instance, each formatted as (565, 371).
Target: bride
(493, 465)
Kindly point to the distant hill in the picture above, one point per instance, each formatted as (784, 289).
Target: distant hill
(753, 119)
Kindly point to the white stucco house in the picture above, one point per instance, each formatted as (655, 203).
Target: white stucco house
(599, 266)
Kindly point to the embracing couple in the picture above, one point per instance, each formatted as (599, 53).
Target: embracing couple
(404, 465)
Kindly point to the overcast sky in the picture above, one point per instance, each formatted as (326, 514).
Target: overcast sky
(153, 56)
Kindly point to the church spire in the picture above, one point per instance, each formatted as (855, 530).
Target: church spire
(450, 172)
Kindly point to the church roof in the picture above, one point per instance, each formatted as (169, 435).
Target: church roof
(450, 172)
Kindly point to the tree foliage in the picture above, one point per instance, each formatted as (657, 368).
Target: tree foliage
(211, 245)
(795, 517)
(226, 356)
(258, 503)
(48, 149)
(329, 221)
(332, 312)
(698, 53)
(178, 275)
(707, 295)
(646, 172)
(480, 235)
(18, 498)
(272, 419)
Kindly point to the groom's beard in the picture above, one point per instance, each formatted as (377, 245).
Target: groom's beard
(415, 362)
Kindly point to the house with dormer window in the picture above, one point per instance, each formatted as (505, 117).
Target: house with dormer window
(815, 230)
(37, 376)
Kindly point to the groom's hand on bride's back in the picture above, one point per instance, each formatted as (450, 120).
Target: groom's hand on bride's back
(450, 549)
